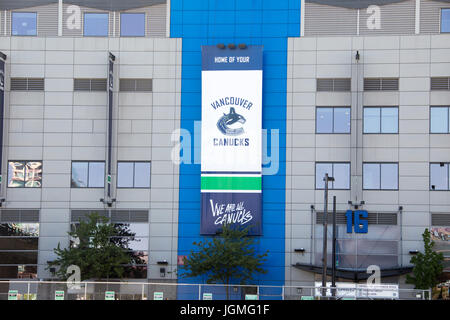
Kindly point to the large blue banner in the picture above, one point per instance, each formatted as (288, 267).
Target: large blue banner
(231, 154)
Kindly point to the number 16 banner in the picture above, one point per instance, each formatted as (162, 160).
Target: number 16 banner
(231, 179)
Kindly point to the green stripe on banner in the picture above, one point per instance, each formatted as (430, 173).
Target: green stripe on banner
(231, 183)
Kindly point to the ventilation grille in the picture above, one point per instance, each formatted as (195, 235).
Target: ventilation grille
(381, 84)
(141, 85)
(338, 84)
(114, 215)
(27, 84)
(89, 84)
(380, 218)
(440, 219)
(17, 215)
(440, 83)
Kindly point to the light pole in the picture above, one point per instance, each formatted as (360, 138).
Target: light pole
(325, 238)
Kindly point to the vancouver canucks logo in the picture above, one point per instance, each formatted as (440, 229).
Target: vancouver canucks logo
(228, 120)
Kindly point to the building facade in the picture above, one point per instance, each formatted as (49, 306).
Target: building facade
(356, 89)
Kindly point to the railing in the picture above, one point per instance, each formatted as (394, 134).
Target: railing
(97, 290)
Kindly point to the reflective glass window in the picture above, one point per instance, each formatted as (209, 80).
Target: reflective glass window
(96, 24)
(439, 119)
(24, 24)
(132, 24)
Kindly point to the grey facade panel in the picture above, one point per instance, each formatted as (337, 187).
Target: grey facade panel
(397, 18)
(102, 5)
(430, 16)
(323, 20)
(355, 4)
(47, 19)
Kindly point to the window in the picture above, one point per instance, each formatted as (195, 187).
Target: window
(132, 24)
(380, 84)
(380, 176)
(90, 174)
(439, 176)
(332, 120)
(141, 85)
(27, 84)
(380, 120)
(340, 171)
(337, 84)
(445, 20)
(133, 175)
(89, 84)
(24, 174)
(439, 120)
(18, 250)
(96, 24)
(24, 24)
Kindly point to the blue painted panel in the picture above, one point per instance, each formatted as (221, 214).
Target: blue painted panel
(254, 22)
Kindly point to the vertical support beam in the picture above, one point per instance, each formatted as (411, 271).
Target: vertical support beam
(333, 254)
(417, 29)
(325, 237)
(302, 18)
(357, 22)
(2, 114)
(111, 59)
(168, 18)
(60, 17)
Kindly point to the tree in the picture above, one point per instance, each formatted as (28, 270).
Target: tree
(99, 250)
(228, 257)
(428, 266)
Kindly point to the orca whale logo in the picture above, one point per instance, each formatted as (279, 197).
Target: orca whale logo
(229, 119)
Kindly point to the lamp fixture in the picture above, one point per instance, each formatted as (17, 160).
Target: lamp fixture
(302, 250)
(162, 262)
(242, 46)
(221, 46)
(413, 251)
(231, 46)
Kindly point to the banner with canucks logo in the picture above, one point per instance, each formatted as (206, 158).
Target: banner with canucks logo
(231, 148)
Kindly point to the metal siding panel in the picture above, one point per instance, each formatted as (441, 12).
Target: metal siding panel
(79, 32)
(397, 18)
(430, 16)
(323, 20)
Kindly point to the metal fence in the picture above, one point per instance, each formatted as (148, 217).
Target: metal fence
(87, 290)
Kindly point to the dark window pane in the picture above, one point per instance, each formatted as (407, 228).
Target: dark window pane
(16, 174)
(19, 229)
(142, 175)
(389, 176)
(125, 174)
(389, 120)
(371, 176)
(439, 119)
(371, 120)
(19, 243)
(324, 120)
(96, 24)
(33, 178)
(135, 272)
(79, 174)
(132, 24)
(96, 174)
(439, 176)
(24, 24)
(321, 169)
(341, 120)
(341, 175)
(445, 20)
(16, 272)
(18, 257)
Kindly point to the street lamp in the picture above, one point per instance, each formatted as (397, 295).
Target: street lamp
(326, 179)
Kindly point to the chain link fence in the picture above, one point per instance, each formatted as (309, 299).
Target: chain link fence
(90, 290)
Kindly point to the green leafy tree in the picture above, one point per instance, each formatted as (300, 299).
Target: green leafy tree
(428, 266)
(228, 257)
(99, 249)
